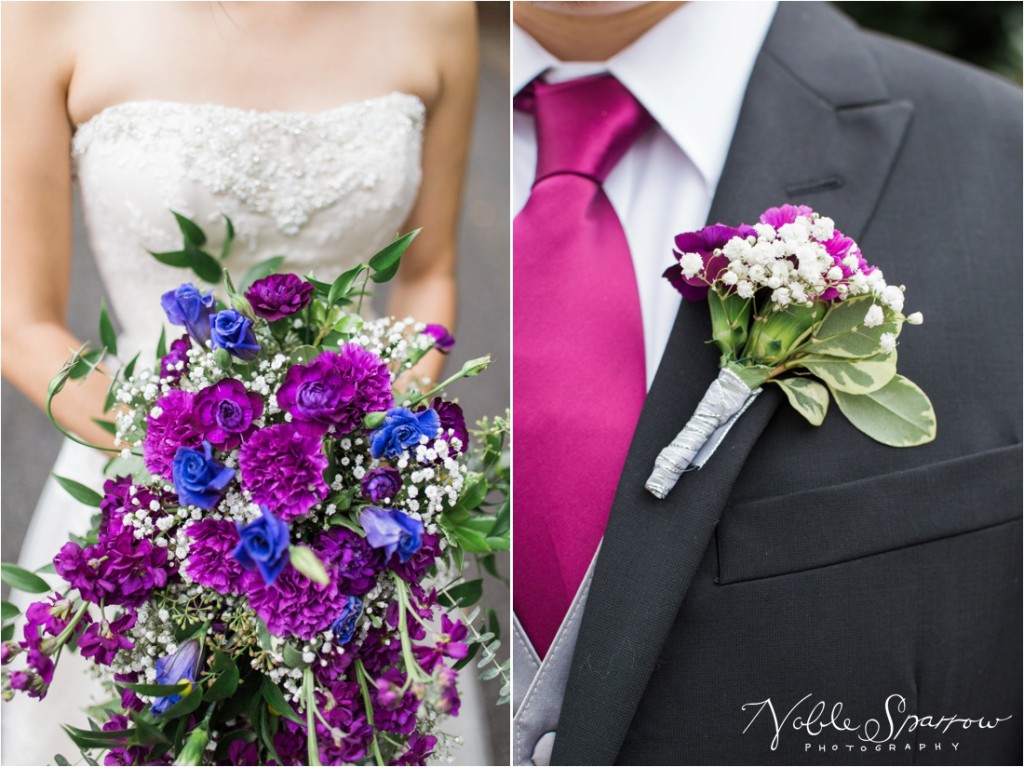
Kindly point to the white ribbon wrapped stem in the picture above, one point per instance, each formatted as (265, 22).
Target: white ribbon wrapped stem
(721, 405)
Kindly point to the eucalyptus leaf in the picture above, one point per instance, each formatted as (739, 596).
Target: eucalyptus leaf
(107, 334)
(303, 355)
(853, 376)
(899, 414)
(809, 398)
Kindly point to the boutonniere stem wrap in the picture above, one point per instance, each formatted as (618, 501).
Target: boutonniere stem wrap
(794, 303)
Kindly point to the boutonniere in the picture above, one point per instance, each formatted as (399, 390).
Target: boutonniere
(794, 303)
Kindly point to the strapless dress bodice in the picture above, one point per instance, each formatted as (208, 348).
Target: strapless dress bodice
(325, 190)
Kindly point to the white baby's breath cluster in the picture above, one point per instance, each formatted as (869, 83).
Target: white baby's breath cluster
(794, 266)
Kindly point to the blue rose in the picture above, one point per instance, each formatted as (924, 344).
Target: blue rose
(175, 669)
(345, 624)
(393, 531)
(401, 429)
(263, 546)
(198, 479)
(185, 305)
(232, 330)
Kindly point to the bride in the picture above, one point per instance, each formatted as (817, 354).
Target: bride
(320, 129)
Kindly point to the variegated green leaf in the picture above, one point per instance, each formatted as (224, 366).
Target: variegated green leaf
(843, 334)
(854, 376)
(809, 398)
(899, 414)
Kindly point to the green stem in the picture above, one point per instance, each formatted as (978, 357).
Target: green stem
(417, 399)
(361, 674)
(69, 435)
(362, 293)
(65, 635)
(312, 749)
(412, 668)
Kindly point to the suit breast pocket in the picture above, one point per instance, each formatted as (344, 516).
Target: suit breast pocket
(829, 525)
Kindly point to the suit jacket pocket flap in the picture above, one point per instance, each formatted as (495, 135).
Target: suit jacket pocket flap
(829, 525)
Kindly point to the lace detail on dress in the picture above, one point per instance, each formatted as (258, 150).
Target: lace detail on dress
(325, 189)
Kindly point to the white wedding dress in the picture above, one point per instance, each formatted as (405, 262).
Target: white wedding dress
(326, 190)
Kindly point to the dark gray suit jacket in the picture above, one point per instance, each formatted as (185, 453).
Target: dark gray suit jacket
(814, 562)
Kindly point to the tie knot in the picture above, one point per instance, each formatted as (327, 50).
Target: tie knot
(584, 126)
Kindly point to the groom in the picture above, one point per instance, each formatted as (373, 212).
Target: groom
(809, 596)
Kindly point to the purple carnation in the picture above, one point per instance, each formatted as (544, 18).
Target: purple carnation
(174, 364)
(174, 427)
(353, 562)
(444, 341)
(283, 470)
(103, 640)
(380, 484)
(279, 295)
(785, 214)
(295, 605)
(452, 419)
(225, 411)
(337, 389)
(210, 562)
(703, 242)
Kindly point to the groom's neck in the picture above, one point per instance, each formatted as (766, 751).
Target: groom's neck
(587, 31)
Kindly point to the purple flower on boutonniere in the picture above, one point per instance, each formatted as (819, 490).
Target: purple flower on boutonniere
(225, 412)
(279, 295)
(444, 341)
(232, 330)
(185, 305)
(704, 242)
(785, 214)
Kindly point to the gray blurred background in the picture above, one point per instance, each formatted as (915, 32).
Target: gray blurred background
(30, 442)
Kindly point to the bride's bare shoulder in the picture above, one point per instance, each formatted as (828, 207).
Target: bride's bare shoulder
(39, 37)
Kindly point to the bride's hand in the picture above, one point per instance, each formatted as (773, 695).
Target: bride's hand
(36, 246)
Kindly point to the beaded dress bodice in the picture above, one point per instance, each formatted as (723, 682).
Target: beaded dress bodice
(324, 189)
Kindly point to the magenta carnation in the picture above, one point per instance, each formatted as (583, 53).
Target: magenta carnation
(337, 389)
(209, 555)
(283, 470)
(174, 427)
(294, 605)
(703, 242)
(785, 214)
(225, 411)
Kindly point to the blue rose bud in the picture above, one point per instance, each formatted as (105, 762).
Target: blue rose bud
(402, 429)
(185, 305)
(345, 624)
(263, 546)
(182, 666)
(198, 479)
(232, 330)
(393, 531)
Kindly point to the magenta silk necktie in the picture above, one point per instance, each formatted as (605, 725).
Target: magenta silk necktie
(578, 359)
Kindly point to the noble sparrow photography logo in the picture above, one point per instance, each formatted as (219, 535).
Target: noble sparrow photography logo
(826, 728)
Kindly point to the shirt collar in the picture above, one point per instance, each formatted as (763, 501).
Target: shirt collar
(690, 72)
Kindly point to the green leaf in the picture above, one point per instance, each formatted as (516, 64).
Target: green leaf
(155, 690)
(79, 492)
(61, 760)
(263, 635)
(474, 492)
(463, 594)
(471, 540)
(388, 258)
(293, 657)
(899, 414)
(86, 363)
(185, 706)
(22, 580)
(175, 258)
(204, 265)
(190, 229)
(308, 563)
(473, 649)
(343, 284)
(275, 699)
(226, 683)
(108, 426)
(146, 734)
(129, 369)
(259, 271)
(161, 345)
(341, 520)
(229, 237)
(809, 398)
(752, 375)
(499, 544)
(384, 275)
(853, 376)
(503, 521)
(107, 334)
(303, 355)
(7, 633)
(8, 612)
(842, 332)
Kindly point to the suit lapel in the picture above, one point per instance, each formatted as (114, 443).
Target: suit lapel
(816, 127)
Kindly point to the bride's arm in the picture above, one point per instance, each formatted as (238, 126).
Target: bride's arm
(36, 244)
(424, 287)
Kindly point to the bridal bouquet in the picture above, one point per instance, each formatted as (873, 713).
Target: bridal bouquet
(794, 303)
(274, 574)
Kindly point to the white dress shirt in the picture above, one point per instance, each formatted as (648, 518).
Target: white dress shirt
(690, 72)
